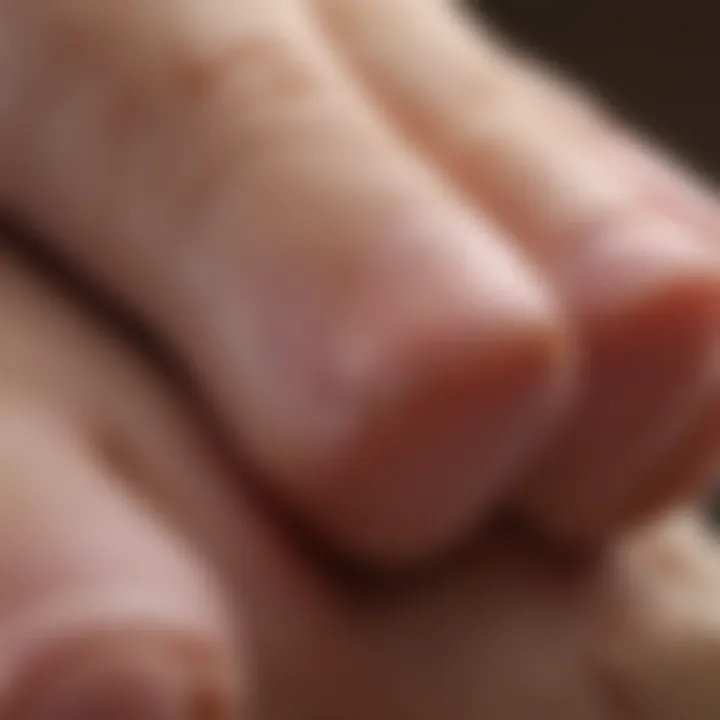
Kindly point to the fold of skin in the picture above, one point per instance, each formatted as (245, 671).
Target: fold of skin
(504, 632)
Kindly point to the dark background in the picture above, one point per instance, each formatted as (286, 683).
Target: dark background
(658, 62)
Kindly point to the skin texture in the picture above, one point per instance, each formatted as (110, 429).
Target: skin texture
(140, 583)
(399, 284)
(415, 276)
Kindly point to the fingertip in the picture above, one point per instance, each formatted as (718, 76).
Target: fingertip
(96, 586)
(451, 407)
(128, 674)
(651, 304)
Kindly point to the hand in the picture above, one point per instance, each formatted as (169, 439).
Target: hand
(417, 277)
(141, 579)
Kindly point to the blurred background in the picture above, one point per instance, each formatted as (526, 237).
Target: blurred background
(658, 63)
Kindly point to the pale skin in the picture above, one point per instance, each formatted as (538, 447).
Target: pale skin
(141, 581)
(415, 281)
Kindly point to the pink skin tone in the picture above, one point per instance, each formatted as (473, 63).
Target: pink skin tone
(415, 276)
(140, 582)
(416, 281)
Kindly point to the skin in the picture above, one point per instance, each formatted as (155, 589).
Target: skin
(139, 582)
(414, 282)
(392, 252)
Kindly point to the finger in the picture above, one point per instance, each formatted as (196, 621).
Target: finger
(641, 281)
(670, 182)
(365, 336)
(690, 468)
(659, 629)
(134, 416)
(507, 632)
(682, 469)
(319, 648)
(103, 613)
(57, 344)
